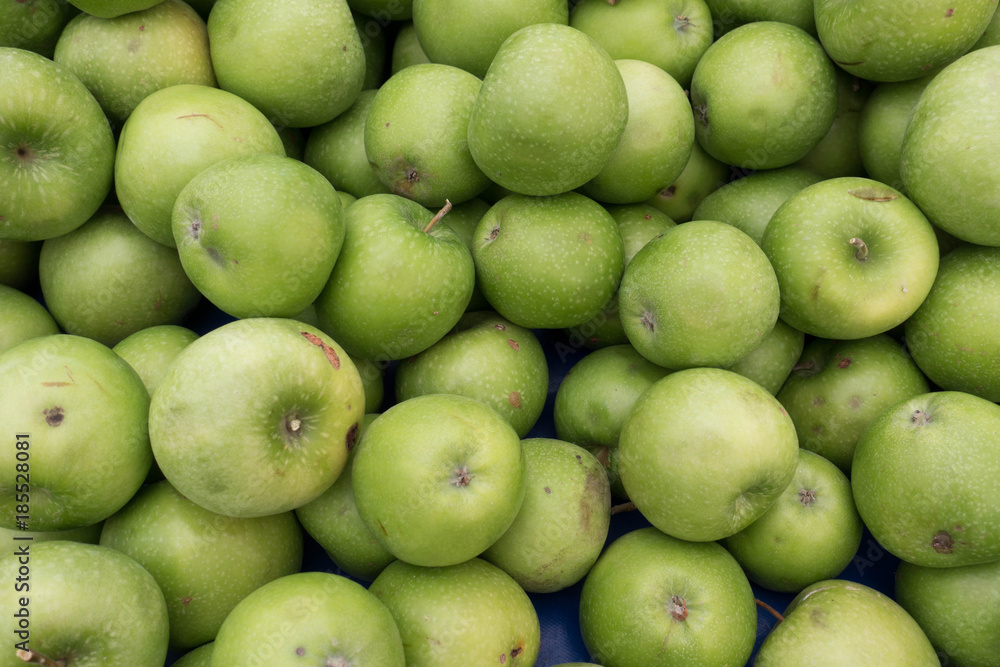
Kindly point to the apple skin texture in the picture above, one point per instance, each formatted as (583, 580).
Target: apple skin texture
(24, 318)
(151, 351)
(551, 111)
(34, 25)
(58, 155)
(89, 605)
(654, 600)
(267, 451)
(64, 391)
(837, 622)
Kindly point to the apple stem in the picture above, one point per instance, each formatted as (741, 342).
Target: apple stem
(766, 607)
(38, 659)
(862, 247)
(624, 507)
(440, 214)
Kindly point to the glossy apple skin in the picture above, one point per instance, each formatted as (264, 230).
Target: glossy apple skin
(921, 473)
(655, 600)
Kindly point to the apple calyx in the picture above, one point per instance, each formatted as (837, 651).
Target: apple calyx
(677, 606)
(437, 218)
(807, 497)
(461, 477)
(920, 418)
(682, 23)
(24, 154)
(647, 321)
(862, 253)
(35, 658)
(291, 430)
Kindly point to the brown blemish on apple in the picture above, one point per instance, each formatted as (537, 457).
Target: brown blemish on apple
(495, 232)
(516, 651)
(331, 354)
(647, 321)
(844, 363)
(186, 600)
(56, 384)
(548, 490)
(872, 194)
(499, 327)
(503, 658)
(586, 238)
(382, 526)
(807, 497)
(677, 607)
(702, 111)
(200, 115)
(513, 345)
(818, 401)
(669, 192)
(514, 399)
(462, 477)
(854, 403)
(300, 651)
(942, 542)
(54, 416)
(352, 436)
(412, 176)
(949, 13)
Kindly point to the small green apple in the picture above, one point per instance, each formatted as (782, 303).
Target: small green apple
(376, 47)
(406, 49)
(729, 14)
(771, 363)
(702, 175)
(838, 153)
(199, 657)
(463, 219)
(23, 318)
(151, 351)
(990, 36)
(109, 9)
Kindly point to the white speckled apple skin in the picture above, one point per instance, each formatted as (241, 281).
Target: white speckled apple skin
(949, 157)
(551, 111)
(826, 290)
(883, 124)
(926, 476)
(896, 40)
(548, 262)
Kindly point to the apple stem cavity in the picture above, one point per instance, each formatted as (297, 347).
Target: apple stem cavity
(34, 658)
(624, 507)
(768, 608)
(862, 247)
(437, 218)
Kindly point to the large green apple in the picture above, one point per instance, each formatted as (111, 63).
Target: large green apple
(764, 95)
(34, 25)
(416, 135)
(838, 388)
(837, 622)
(705, 452)
(953, 336)
(947, 160)
(258, 235)
(921, 475)
(487, 358)
(106, 280)
(854, 258)
(256, 417)
(438, 478)
(309, 619)
(470, 613)
(958, 608)
(810, 533)
(152, 351)
(173, 135)
(548, 262)
(551, 111)
(57, 149)
(122, 60)
(24, 318)
(703, 294)
(401, 282)
(72, 604)
(62, 466)
(671, 34)
(888, 40)
(204, 563)
(654, 600)
(299, 61)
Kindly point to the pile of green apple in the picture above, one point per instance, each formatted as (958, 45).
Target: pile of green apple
(313, 272)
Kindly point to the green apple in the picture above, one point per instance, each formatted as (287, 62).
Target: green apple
(438, 478)
(657, 141)
(34, 25)
(463, 219)
(671, 34)
(958, 608)
(106, 280)
(109, 9)
(416, 135)
(921, 472)
(468, 33)
(151, 351)
(886, 40)
(204, 563)
(550, 113)
(373, 380)
(58, 152)
(384, 10)
(258, 235)
(173, 135)
(705, 452)
(313, 619)
(990, 36)
(487, 358)
(548, 262)
(838, 153)
(563, 522)
(837, 388)
(376, 47)
(199, 657)
(654, 600)
(883, 124)
(953, 336)
(24, 319)
(811, 532)
(764, 95)
(300, 62)
(470, 613)
(703, 294)
(337, 150)
(854, 258)
(122, 60)
(729, 14)
(702, 175)
(333, 521)
(947, 160)
(749, 202)
(771, 363)
(837, 622)
(256, 417)
(425, 277)
(81, 604)
(406, 49)
(66, 468)
(19, 263)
